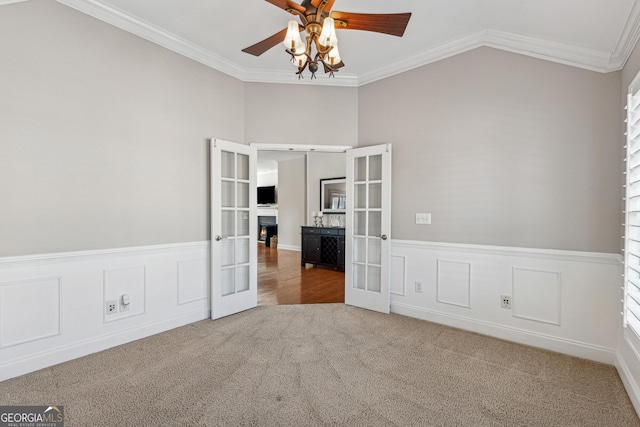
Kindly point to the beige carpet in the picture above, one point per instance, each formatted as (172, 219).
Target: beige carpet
(326, 365)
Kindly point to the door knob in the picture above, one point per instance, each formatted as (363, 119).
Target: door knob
(383, 236)
(218, 238)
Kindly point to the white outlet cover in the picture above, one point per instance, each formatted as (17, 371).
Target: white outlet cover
(423, 218)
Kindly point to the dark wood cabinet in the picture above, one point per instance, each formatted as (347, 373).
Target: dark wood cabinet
(323, 246)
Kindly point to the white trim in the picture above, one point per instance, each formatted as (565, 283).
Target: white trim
(147, 31)
(41, 337)
(24, 365)
(290, 248)
(629, 36)
(92, 255)
(405, 263)
(301, 147)
(630, 385)
(7, 2)
(562, 345)
(576, 256)
(429, 56)
(563, 53)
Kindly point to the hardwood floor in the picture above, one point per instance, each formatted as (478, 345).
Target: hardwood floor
(282, 280)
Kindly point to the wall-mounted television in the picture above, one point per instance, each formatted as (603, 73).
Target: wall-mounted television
(267, 195)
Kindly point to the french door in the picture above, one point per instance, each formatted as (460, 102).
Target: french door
(234, 283)
(368, 228)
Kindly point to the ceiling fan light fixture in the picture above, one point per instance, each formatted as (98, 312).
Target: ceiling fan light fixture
(320, 45)
(332, 57)
(328, 35)
(299, 60)
(292, 40)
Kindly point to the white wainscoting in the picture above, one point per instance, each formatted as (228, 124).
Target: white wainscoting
(53, 306)
(560, 300)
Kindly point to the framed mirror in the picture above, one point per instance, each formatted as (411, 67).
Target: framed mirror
(333, 195)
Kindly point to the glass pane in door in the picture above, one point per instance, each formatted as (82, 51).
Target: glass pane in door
(375, 224)
(228, 281)
(243, 194)
(243, 223)
(360, 223)
(375, 195)
(375, 168)
(228, 194)
(360, 196)
(242, 250)
(359, 276)
(374, 251)
(373, 280)
(228, 223)
(243, 167)
(227, 252)
(227, 165)
(359, 249)
(360, 169)
(242, 278)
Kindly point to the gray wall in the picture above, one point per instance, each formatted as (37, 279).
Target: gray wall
(293, 114)
(102, 134)
(321, 166)
(502, 149)
(291, 200)
(102, 140)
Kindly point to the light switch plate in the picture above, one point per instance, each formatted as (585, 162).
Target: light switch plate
(423, 218)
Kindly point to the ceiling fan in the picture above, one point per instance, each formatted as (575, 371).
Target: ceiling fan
(319, 22)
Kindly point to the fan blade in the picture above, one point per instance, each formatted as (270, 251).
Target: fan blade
(386, 23)
(327, 7)
(287, 4)
(266, 44)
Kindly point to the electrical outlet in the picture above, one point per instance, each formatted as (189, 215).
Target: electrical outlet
(505, 301)
(418, 286)
(125, 302)
(423, 218)
(111, 307)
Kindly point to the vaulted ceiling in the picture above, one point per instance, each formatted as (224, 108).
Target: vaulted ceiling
(592, 34)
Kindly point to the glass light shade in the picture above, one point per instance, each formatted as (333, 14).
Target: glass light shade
(333, 56)
(299, 60)
(292, 40)
(328, 35)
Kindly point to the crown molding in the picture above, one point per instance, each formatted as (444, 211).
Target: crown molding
(154, 34)
(5, 2)
(629, 36)
(432, 55)
(558, 52)
(563, 53)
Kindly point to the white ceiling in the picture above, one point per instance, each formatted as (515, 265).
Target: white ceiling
(593, 34)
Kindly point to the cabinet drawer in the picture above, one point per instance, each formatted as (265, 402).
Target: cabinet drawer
(325, 231)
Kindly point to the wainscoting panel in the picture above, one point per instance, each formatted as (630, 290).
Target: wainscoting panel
(129, 281)
(398, 285)
(29, 310)
(52, 306)
(192, 280)
(536, 295)
(563, 301)
(453, 283)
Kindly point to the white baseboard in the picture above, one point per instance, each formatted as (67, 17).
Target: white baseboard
(289, 247)
(630, 385)
(570, 347)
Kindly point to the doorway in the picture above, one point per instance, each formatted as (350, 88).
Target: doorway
(296, 172)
